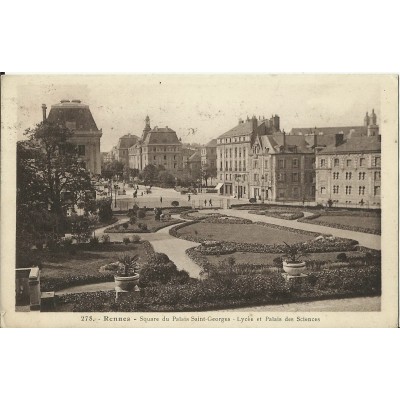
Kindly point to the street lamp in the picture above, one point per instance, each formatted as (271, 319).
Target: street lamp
(116, 187)
(262, 188)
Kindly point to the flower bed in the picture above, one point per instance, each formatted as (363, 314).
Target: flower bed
(286, 214)
(313, 219)
(220, 249)
(235, 291)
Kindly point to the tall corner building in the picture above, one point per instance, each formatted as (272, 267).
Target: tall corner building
(77, 117)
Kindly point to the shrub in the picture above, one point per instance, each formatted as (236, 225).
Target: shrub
(132, 220)
(175, 203)
(105, 210)
(135, 239)
(142, 226)
(341, 257)
(94, 241)
(126, 240)
(278, 261)
(253, 200)
(105, 239)
(141, 213)
(125, 225)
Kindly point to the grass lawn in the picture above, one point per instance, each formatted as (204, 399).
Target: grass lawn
(268, 258)
(373, 222)
(152, 225)
(62, 267)
(243, 233)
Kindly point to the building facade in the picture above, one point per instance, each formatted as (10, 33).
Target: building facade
(234, 152)
(77, 117)
(157, 146)
(122, 149)
(349, 171)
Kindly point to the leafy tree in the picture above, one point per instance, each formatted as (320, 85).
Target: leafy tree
(48, 168)
(166, 179)
(209, 172)
(134, 172)
(112, 168)
(149, 174)
(104, 210)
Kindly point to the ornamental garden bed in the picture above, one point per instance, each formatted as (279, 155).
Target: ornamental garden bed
(230, 291)
(354, 221)
(81, 264)
(282, 214)
(146, 224)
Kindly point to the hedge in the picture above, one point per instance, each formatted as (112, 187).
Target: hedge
(277, 214)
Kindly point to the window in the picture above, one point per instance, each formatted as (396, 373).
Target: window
(295, 191)
(235, 150)
(377, 190)
(295, 177)
(221, 177)
(361, 190)
(240, 165)
(348, 189)
(361, 176)
(377, 175)
(165, 157)
(154, 148)
(322, 162)
(244, 165)
(154, 157)
(281, 177)
(336, 162)
(226, 164)
(336, 189)
(266, 164)
(255, 164)
(281, 164)
(377, 162)
(348, 175)
(235, 165)
(362, 162)
(256, 177)
(220, 167)
(230, 153)
(226, 176)
(336, 175)
(323, 190)
(348, 163)
(240, 152)
(295, 163)
(81, 149)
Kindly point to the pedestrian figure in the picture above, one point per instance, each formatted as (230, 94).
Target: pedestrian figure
(142, 193)
(161, 200)
(210, 202)
(188, 197)
(205, 203)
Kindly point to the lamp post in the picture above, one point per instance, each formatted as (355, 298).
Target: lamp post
(115, 195)
(262, 188)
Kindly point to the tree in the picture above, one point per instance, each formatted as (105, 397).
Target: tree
(49, 167)
(149, 174)
(134, 172)
(209, 172)
(112, 168)
(105, 211)
(166, 179)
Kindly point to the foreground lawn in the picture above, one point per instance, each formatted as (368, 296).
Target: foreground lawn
(81, 265)
(242, 233)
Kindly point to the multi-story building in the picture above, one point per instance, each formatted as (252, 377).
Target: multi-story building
(349, 171)
(122, 149)
(194, 166)
(77, 117)
(233, 154)
(209, 154)
(282, 168)
(157, 146)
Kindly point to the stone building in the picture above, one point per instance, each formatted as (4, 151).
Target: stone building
(122, 149)
(194, 166)
(233, 154)
(282, 168)
(77, 117)
(349, 171)
(157, 146)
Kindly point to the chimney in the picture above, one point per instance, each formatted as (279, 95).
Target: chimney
(315, 141)
(44, 108)
(339, 139)
(254, 122)
(284, 140)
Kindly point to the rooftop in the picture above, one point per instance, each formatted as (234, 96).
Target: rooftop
(355, 144)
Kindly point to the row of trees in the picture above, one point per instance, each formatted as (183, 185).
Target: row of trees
(152, 174)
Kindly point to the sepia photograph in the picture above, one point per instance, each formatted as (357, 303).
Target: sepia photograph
(196, 198)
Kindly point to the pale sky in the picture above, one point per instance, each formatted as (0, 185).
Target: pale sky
(208, 104)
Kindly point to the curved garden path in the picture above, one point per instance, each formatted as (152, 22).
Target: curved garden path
(364, 239)
(162, 242)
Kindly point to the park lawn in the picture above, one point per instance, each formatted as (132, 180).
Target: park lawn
(152, 225)
(372, 222)
(58, 269)
(243, 233)
(268, 258)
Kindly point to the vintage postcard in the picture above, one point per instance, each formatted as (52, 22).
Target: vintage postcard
(199, 200)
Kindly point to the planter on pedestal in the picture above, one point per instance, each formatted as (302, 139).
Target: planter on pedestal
(126, 283)
(294, 268)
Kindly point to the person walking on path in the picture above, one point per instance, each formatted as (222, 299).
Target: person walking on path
(161, 200)
(205, 203)
(210, 203)
(188, 197)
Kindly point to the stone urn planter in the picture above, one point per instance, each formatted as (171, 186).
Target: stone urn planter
(294, 268)
(127, 276)
(292, 263)
(127, 283)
